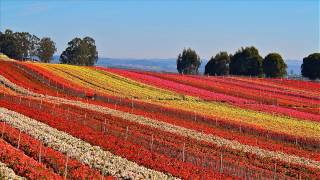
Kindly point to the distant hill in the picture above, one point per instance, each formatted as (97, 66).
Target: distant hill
(167, 65)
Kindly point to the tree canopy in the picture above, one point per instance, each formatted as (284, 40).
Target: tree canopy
(247, 62)
(46, 49)
(310, 67)
(8, 45)
(274, 66)
(26, 45)
(23, 45)
(218, 65)
(80, 52)
(188, 62)
(18, 45)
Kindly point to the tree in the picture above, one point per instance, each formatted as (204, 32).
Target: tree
(22, 44)
(18, 45)
(46, 49)
(218, 65)
(310, 67)
(80, 52)
(247, 62)
(26, 45)
(274, 66)
(8, 44)
(188, 62)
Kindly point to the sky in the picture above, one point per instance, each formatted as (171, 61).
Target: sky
(162, 28)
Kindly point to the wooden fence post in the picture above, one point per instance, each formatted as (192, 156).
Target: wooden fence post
(40, 106)
(127, 131)
(19, 139)
(66, 167)
(40, 152)
(183, 152)
(132, 103)
(2, 133)
(221, 162)
(68, 114)
(105, 125)
(275, 171)
(151, 143)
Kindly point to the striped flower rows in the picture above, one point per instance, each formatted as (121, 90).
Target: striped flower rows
(165, 139)
(47, 156)
(263, 95)
(111, 83)
(146, 109)
(183, 131)
(160, 105)
(104, 81)
(24, 165)
(173, 82)
(197, 135)
(190, 133)
(6, 172)
(16, 88)
(91, 155)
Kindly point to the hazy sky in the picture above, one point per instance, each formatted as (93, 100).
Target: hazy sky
(161, 29)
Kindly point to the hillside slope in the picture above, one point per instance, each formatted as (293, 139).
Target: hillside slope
(89, 122)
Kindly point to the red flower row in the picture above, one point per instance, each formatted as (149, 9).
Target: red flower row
(24, 165)
(290, 83)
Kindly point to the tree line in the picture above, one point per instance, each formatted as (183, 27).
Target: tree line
(25, 46)
(246, 62)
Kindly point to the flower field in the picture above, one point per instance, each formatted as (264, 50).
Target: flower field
(75, 122)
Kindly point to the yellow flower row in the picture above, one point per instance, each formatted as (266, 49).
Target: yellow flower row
(105, 82)
(244, 116)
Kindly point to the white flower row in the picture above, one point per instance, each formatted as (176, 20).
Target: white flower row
(8, 173)
(219, 141)
(17, 88)
(93, 156)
